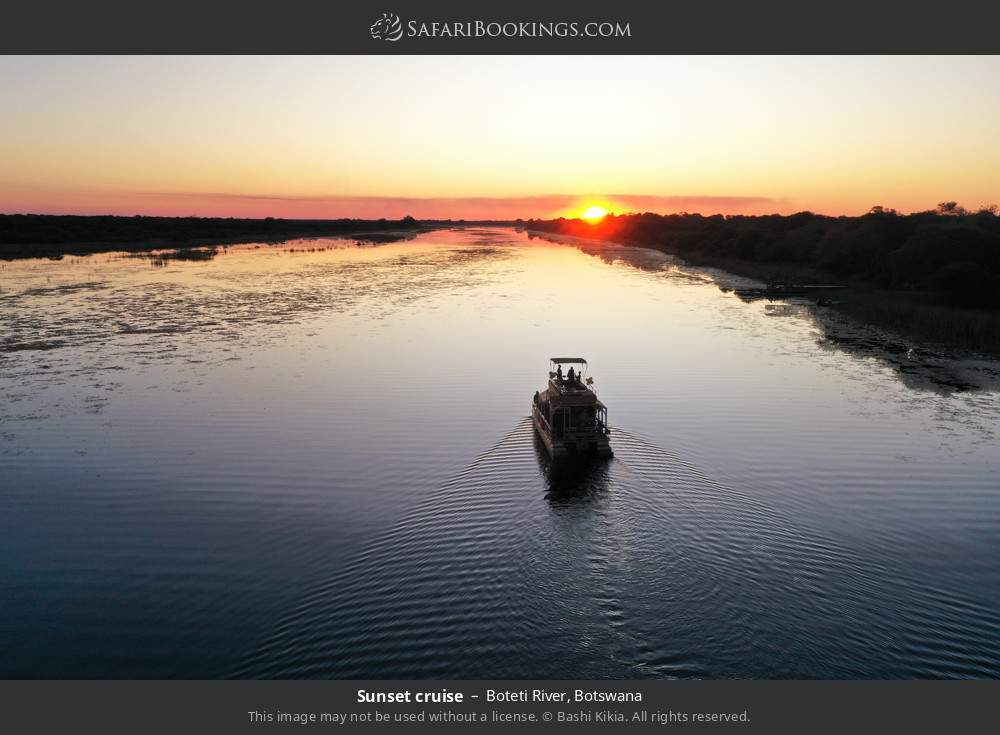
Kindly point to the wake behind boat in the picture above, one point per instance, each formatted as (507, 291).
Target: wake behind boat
(569, 418)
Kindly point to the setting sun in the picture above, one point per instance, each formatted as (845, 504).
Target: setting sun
(593, 213)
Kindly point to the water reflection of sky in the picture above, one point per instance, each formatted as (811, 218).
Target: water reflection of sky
(201, 439)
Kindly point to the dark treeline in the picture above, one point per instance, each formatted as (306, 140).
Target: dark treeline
(28, 235)
(950, 254)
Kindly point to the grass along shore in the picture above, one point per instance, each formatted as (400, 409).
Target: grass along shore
(917, 315)
(52, 236)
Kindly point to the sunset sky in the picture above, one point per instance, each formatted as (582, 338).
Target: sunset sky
(495, 137)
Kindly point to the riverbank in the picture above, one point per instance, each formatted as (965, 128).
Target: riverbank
(912, 314)
(53, 236)
(932, 276)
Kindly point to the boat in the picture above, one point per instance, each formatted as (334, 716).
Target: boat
(568, 417)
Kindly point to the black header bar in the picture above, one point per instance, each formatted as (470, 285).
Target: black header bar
(511, 27)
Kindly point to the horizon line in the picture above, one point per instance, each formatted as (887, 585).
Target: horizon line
(499, 220)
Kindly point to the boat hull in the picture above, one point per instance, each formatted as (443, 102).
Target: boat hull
(574, 445)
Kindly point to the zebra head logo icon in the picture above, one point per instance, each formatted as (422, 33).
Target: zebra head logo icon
(387, 28)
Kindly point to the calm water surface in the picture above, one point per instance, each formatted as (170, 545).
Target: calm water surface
(312, 460)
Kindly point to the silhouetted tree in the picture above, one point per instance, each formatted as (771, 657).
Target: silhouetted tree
(951, 208)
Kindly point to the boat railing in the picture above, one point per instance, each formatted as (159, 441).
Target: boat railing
(597, 425)
(545, 421)
(565, 388)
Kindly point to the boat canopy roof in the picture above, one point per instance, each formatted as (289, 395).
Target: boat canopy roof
(568, 360)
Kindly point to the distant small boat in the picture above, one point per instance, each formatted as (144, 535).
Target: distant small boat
(567, 415)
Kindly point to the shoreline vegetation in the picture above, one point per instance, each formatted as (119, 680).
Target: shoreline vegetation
(929, 275)
(53, 236)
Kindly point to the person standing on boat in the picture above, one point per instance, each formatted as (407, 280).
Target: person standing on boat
(559, 374)
(571, 376)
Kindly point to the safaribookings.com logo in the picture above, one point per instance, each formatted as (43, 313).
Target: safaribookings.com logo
(390, 28)
(387, 28)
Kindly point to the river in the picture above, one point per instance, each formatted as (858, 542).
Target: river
(312, 460)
